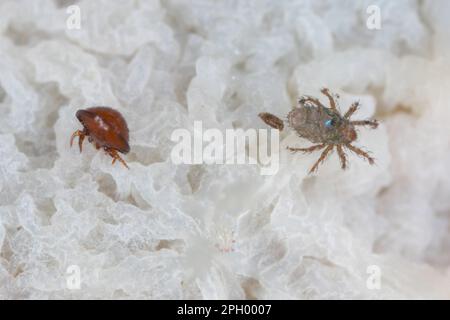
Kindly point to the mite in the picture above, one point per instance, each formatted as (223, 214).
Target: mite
(105, 128)
(326, 127)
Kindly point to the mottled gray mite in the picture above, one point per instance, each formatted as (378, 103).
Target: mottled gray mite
(325, 127)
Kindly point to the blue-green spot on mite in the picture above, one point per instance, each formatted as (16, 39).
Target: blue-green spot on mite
(329, 123)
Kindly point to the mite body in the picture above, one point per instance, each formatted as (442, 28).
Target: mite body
(105, 128)
(326, 127)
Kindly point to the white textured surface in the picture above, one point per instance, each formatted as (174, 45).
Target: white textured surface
(166, 231)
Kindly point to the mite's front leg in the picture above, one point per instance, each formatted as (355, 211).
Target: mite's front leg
(352, 110)
(81, 135)
(308, 99)
(372, 123)
(327, 93)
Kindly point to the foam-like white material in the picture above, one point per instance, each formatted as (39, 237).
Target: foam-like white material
(161, 230)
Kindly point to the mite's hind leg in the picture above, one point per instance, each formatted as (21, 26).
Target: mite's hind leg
(115, 155)
(372, 123)
(308, 150)
(342, 156)
(322, 158)
(81, 135)
(330, 97)
(361, 153)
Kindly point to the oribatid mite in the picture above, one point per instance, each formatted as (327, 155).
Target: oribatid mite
(325, 127)
(106, 128)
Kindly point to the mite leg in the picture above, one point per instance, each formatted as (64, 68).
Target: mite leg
(115, 155)
(272, 120)
(302, 102)
(352, 110)
(342, 156)
(304, 99)
(322, 158)
(361, 153)
(307, 150)
(80, 142)
(80, 134)
(326, 92)
(372, 123)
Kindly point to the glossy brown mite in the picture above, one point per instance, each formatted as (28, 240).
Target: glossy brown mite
(105, 128)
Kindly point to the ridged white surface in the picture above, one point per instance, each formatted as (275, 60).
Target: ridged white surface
(160, 230)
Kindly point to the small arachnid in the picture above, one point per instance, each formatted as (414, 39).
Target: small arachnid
(325, 127)
(106, 128)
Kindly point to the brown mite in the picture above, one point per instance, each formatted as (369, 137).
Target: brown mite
(324, 126)
(105, 128)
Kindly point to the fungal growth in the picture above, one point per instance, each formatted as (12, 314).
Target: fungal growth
(326, 127)
(105, 128)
